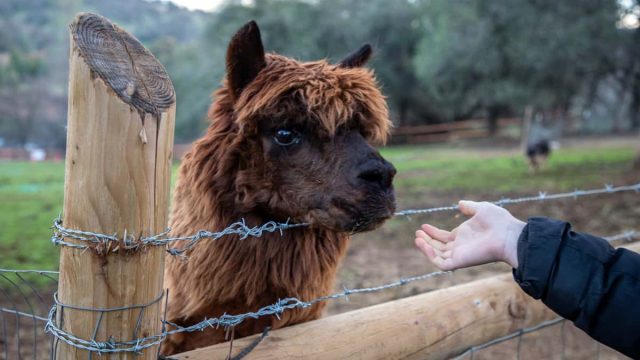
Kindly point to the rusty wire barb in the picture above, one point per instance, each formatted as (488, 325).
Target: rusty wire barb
(88, 239)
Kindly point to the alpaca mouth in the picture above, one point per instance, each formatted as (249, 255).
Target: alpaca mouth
(367, 216)
(367, 224)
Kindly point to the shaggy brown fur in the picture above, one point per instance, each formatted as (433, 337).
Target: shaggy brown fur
(247, 167)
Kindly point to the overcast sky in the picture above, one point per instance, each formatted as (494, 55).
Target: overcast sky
(206, 5)
(629, 21)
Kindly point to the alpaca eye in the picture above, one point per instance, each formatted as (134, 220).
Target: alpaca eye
(285, 137)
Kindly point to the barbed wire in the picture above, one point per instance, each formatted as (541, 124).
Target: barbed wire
(111, 345)
(229, 321)
(542, 196)
(240, 228)
(130, 242)
(281, 305)
(225, 321)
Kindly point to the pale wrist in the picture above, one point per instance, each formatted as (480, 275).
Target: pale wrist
(510, 251)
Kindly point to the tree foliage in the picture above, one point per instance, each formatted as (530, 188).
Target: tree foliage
(437, 60)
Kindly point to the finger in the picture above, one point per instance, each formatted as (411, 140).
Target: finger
(438, 245)
(425, 248)
(468, 208)
(438, 234)
(432, 254)
(442, 263)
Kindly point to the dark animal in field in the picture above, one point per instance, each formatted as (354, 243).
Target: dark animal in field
(538, 152)
(288, 140)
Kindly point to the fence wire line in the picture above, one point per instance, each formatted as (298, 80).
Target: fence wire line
(130, 242)
(240, 228)
(227, 321)
(542, 196)
(112, 242)
(20, 326)
(513, 335)
(112, 345)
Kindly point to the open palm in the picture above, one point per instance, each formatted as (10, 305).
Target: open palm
(490, 234)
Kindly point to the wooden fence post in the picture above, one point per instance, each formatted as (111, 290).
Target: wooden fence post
(117, 178)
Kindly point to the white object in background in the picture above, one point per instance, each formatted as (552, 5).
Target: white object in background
(37, 154)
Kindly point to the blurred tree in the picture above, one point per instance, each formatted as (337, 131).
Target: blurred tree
(34, 58)
(333, 28)
(437, 60)
(499, 56)
(630, 25)
(21, 98)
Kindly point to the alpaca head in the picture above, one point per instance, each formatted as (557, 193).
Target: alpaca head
(303, 135)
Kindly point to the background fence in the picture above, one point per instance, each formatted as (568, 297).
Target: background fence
(459, 130)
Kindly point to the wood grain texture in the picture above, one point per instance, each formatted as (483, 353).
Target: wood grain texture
(436, 325)
(123, 63)
(117, 179)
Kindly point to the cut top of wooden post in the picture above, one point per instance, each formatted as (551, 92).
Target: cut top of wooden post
(129, 69)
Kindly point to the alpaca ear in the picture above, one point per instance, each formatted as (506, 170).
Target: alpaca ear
(245, 57)
(357, 58)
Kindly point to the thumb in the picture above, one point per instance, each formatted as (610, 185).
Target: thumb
(468, 208)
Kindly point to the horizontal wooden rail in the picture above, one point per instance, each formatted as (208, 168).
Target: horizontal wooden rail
(451, 126)
(450, 136)
(436, 325)
(451, 131)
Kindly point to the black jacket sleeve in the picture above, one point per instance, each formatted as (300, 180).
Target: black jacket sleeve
(583, 279)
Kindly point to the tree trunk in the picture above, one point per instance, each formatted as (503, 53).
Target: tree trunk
(635, 102)
(403, 110)
(525, 129)
(492, 120)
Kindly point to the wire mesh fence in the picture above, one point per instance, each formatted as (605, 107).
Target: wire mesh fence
(29, 308)
(553, 339)
(25, 299)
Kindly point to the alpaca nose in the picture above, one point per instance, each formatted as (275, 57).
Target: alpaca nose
(379, 172)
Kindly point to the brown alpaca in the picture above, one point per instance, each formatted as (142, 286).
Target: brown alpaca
(287, 140)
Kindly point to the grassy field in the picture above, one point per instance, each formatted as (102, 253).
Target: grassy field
(444, 169)
(31, 194)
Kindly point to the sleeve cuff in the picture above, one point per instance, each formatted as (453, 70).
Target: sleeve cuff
(538, 247)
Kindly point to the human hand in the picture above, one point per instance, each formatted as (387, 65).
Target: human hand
(491, 234)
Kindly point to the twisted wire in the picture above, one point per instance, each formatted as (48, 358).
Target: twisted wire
(243, 231)
(228, 320)
(240, 228)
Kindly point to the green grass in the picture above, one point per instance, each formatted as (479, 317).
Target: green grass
(421, 169)
(31, 194)
(30, 198)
